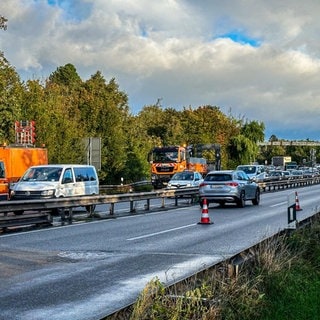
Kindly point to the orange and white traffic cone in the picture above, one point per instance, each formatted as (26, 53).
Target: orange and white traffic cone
(298, 208)
(205, 219)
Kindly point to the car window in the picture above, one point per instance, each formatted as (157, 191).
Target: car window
(177, 176)
(84, 174)
(248, 169)
(239, 176)
(218, 177)
(67, 176)
(2, 172)
(242, 176)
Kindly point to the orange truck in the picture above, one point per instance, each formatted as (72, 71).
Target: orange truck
(166, 161)
(14, 161)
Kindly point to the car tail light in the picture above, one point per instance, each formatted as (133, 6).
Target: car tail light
(203, 184)
(232, 184)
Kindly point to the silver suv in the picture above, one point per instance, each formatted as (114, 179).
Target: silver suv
(229, 186)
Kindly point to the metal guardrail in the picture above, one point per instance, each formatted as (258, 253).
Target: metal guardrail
(267, 185)
(45, 207)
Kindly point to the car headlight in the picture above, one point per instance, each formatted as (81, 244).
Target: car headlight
(47, 193)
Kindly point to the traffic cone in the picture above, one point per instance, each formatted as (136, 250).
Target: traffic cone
(205, 219)
(298, 208)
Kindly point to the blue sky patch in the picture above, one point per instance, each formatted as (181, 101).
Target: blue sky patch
(241, 38)
(73, 9)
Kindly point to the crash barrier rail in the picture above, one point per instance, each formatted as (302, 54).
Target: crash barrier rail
(45, 207)
(123, 188)
(267, 185)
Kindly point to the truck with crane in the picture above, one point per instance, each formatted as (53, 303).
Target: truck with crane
(168, 160)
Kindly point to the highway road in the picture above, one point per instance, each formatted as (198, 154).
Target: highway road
(89, 270)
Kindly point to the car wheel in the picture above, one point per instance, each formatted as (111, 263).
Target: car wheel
(241, 202)
(256, 200)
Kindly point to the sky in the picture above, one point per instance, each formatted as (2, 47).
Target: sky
(257, 60)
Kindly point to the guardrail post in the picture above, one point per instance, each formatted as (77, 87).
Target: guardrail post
(111, 209)
(70, 215)
(62, 215)
(292, 214)
(162, 203)
(147, 206)
(132, 208)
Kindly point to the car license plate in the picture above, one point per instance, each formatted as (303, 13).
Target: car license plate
(213, 186)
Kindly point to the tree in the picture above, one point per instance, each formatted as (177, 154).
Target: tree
(208, 125)
(66, 75)
(3, 22)
(11, 100)
(138, 146)
(104, 113)
(254, 131)
(62, 125)
(243, 148)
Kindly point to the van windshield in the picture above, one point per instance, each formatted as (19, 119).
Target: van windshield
(42, 174)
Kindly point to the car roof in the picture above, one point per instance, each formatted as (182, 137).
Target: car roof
(61, 166)
(250, 165)
(187, 171)
(222, 171)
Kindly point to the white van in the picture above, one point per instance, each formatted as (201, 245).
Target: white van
(55, 181)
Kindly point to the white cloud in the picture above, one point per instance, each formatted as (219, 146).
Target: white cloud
(173, 50)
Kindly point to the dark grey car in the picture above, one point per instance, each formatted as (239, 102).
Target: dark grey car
(229, 186)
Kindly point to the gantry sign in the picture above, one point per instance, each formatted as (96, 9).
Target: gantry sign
(290, 143)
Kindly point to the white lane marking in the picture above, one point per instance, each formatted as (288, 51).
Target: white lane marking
(161, 232)
(278, 204)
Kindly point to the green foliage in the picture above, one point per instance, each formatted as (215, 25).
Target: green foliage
(11, 100)
(104, 113)
(254, 131)
(66, 75)
(3, 22)
(241, 150)
(293, 295)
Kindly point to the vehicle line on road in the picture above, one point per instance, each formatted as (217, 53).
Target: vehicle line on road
(161, 232)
